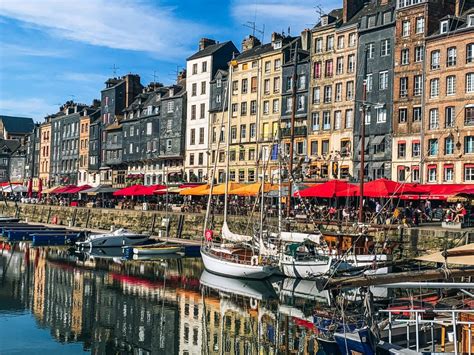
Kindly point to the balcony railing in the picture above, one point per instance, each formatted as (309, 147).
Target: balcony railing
(299, 131)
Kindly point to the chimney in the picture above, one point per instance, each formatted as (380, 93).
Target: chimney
(181, 76)
(205, 42)
(249, 43)
(306, 39)
(350, 8)
(458, 6)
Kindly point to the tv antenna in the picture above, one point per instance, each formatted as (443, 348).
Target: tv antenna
(319, 11)
(114, 69)
(154, 76)
(253, 26)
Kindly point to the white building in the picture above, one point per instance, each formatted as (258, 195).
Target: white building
(200, 69)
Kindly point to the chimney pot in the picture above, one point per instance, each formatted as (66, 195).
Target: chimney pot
(205, 42)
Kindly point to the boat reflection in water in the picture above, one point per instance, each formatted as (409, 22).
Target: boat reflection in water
(103, 303)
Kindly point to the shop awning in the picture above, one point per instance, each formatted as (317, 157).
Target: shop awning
(77, 189)
(195, 191)
(220, 189)
(444, 191)
(101, 189)
(63, 189)
(52, 189)
(253, 189)
(388, 188)
(330, 189)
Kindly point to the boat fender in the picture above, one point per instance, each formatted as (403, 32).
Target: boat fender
(254, 260)
(253, 303)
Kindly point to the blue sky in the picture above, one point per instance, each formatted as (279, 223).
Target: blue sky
(52, 51)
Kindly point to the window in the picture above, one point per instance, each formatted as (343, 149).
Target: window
(402, 149)
(451, 57)
(301, 101)
(383, 80)
(244, 86)
(405, 28)
(202, 111)
(243, 131)
(401, 173)
(470, 83)
(340, 65)
(402, 115)
(325, 147)
(415, 174)
(203, 88)
(433, 147)
(352, 39)
(403, 87)
(149, 128)
(448, 172)
(368, 117)
(385, 48)
(243, 108)
(415, 149)
(370, 50)
(218, 83)
(432, 173)
(276, 105)
(419, 53)
(233, 133)
(235, 109)
(276, 85)
(349, 118)
(266, 86)
(314, 147)
(253, 107)
(338, 92)
(328, 71)
(469, 144)
(470, 53)
(416, 114)
(369, 82)
(449, 117)
(327, 93)
(192, 140)
(277, 64)
(381, 115)
(405, 56)
(289, 104)
(201, 135)
(420, 25)
(337, 119)
(194, 89)
(351, 63)
(469, 116)
(435, 59)
(330, 43)
(315, 121)
(266, 107)
(417, 85)
(318, 45)
(449, 145)
(326, 120)
(444, 27)
(195, 68)
(316, 95)
(267, 66)
(253, 130)
(371, 21)
(350, 90)
(235, 87)
(434, 118)
(451, 85)
(340, 42)
(434, 88)
(469, 172)
(302, 82)
(253, 84)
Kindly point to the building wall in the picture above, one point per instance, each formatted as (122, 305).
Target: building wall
(462, 101)
(45, 153)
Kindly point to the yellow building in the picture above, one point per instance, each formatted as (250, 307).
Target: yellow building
(45, 151)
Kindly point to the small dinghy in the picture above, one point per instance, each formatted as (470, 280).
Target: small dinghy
(157, 249)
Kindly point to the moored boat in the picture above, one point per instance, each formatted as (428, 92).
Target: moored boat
(157, 249)
(119, 238)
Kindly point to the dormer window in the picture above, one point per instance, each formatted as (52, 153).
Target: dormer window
(444, 28)
(470, 20)
(219, 83)
(277, 45)
(324, 21)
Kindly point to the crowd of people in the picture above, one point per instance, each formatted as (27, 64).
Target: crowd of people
(375, 211)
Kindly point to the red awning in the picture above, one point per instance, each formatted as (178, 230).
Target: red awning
(77, 189)
(388, 188)
(330, 189)
(64, 189)
(444, 191)
(138, 190)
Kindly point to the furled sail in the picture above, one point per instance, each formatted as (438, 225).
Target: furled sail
(292, 237)
(234, 237)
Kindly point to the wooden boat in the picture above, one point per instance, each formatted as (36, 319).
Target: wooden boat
(157, 249)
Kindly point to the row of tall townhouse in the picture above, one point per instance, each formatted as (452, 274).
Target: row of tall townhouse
(413, 58)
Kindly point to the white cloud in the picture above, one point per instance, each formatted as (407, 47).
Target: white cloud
(82, 77)
(119, 24)
(278, 15)
(35, 108)
(12, 49)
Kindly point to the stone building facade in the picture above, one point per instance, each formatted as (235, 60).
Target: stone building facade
(45, 151)
(449, 101)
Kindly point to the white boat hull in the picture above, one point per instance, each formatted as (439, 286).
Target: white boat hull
(304, 269)
(108, 241)
(156, 251)
(228, 268)
(369, 260)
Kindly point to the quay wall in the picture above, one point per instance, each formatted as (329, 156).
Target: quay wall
(413, 240)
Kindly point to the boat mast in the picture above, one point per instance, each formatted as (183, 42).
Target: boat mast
(362, 143)
(292, 128)
(229, 109)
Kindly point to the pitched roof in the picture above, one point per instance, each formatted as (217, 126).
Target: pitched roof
(9, 145)
(17, 124)
(209, 50)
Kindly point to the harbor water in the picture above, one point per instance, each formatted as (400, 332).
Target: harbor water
(56, 301)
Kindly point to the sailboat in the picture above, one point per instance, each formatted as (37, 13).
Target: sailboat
(239, 256)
